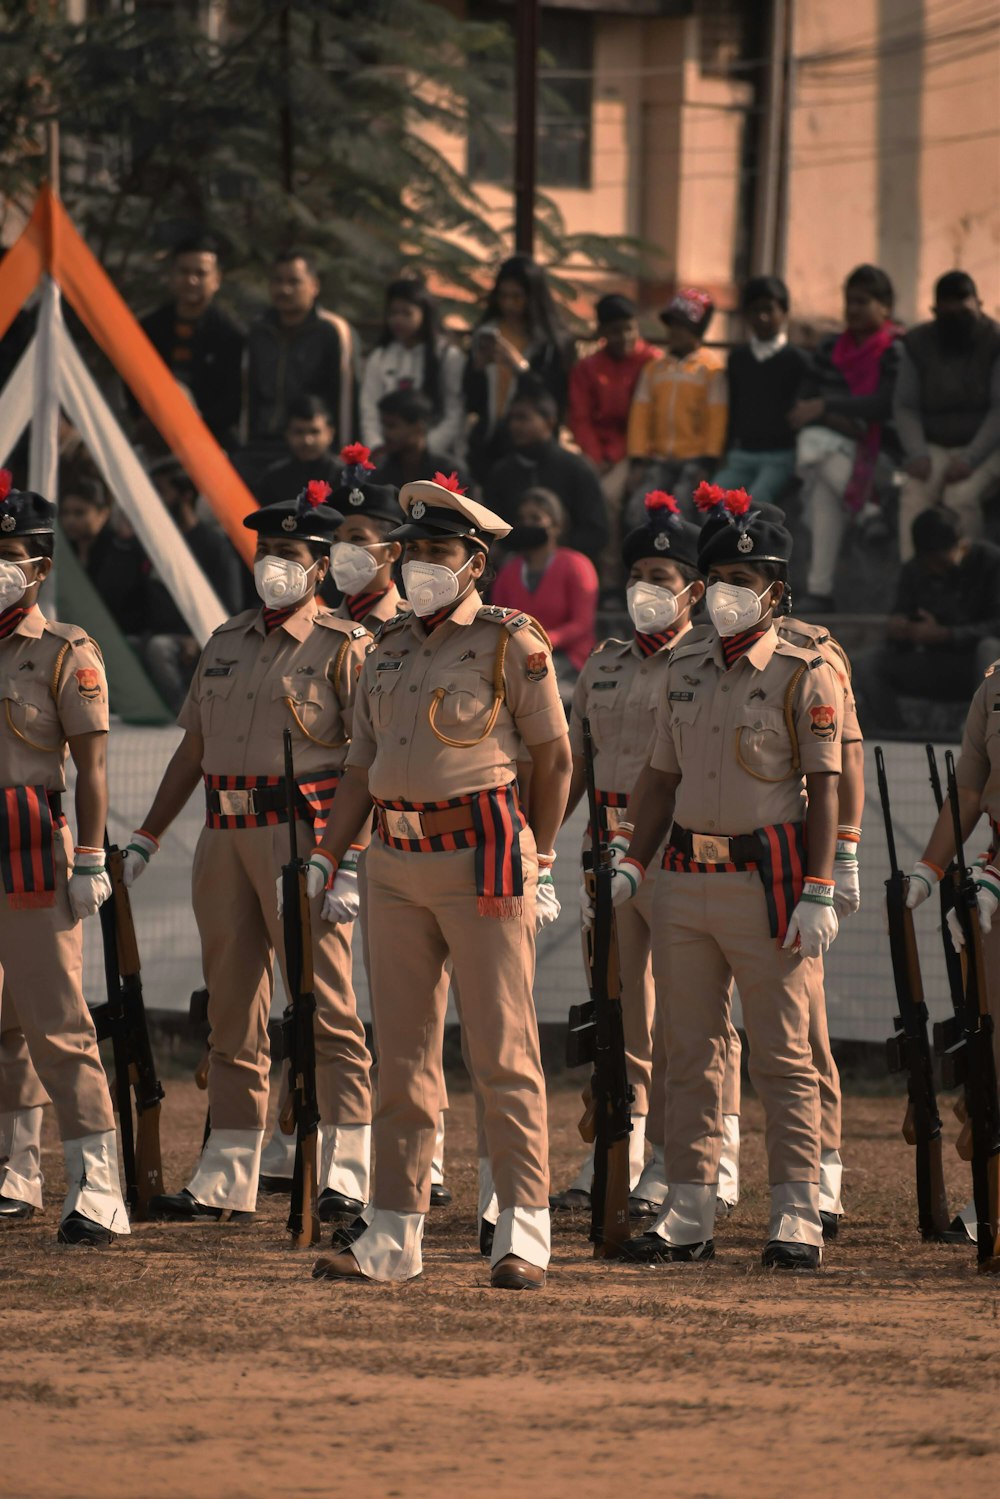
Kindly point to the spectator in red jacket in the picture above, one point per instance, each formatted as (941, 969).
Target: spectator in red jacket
(601, 387)
(552, 583)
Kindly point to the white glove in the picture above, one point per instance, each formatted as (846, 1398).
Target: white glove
(627, 874)
(814, 923)
(846, 879)
(547, 905)
(138, 852)
(319, 872)
(923, 878)
(987, 900)
(341, 903)
(89, 886)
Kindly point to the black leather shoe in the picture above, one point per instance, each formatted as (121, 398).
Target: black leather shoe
(831, 1225)
(650, 1249)
(780, 1254)
(514, 1274)
(573, 1200)
(643, 1207)
(276, 1186)
(181, 1207)
(957, 1232)
(487, 1233)
(76, 1229)
(334, 1207)
(440, 1196)
(13, 1211)
(344, 1234)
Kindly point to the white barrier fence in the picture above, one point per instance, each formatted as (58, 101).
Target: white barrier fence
(860, 993)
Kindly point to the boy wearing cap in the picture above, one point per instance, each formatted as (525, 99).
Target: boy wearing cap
(744, 774)
(450, 696)
(55, 699)
(290, 664)
(677, 424)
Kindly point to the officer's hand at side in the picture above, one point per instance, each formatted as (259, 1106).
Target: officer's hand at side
(547, 905)
(342, 900)
(987, 901)
(319, 872)
(846, 882)
(921, 883)
(814, 923)
(137, 854)
(89, 886)
(627, 874)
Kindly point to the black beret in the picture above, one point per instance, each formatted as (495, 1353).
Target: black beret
(734, 531)
(614, 308)
(307, 518)
(665, 533)
(373, 501)
(22, 511)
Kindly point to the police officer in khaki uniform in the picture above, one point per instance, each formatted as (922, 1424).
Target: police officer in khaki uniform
(55, 696)
(448, 697)
(977, 773)
(291, 664)
(618, 691)
(744, 773)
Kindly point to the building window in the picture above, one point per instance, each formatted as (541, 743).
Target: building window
(565, 103)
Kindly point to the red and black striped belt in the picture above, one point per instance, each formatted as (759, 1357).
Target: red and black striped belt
(612, 805)
(488, 821)
(29, 819)
(233, 802)
(711, 848)
(776, 852)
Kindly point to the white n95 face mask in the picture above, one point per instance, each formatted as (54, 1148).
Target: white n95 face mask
(733, 610)
(13, 582)
(652, 608)
(353, 567)
(279, 582)
(430, 586)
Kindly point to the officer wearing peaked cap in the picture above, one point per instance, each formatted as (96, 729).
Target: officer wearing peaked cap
(450, 697)
(363, 558)
(290, 664)
(743, 776)
(55, 698)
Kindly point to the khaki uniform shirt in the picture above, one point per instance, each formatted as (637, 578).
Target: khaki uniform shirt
(978, 767)
(800, 632)
(619, 691)
(393, 739)
(40, 713)
(384, 608)
(250, 686)
(710, 717)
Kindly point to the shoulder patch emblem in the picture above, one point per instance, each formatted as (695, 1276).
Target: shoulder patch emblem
(88, 682)
(536, 667)
(824, 721)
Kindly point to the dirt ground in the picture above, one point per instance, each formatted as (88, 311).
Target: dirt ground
(192, 1361)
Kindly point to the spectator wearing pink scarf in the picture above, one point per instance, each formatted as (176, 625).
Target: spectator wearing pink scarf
(843, 422)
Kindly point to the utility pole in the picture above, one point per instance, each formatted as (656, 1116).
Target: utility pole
(526, 126)
(768, 239)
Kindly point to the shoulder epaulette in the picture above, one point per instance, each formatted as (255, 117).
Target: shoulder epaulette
(75, 634)
(688, 647)
(511, 619)
(990, 670)
(789, 625)
(347, 627)
(604, 644)
(393, 623)
(238, 622)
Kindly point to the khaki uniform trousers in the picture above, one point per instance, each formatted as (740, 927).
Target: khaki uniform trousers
(709, 929)
(965, 497)
(233, 893)
(421, 911)
(41, 952)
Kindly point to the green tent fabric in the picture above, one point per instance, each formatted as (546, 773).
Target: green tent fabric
(133, 697)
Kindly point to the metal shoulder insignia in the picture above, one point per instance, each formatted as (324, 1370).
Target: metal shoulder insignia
(392, 623)
(511, 619)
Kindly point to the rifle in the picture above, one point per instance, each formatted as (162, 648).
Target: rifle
(908, 1048)
(946, 895)
(596, 1035)
(965, 1043)
(122, 1019)
(301, 1113)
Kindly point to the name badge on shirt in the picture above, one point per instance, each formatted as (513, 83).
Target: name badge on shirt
(682, 697)
(389, 666)
(219, 671)
(603, 686)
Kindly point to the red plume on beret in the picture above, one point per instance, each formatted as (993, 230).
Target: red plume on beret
(737, 501)
(356, 455)
(449, 481)
(708, 497)
(316, 492)
(6, 480)
(658, 499)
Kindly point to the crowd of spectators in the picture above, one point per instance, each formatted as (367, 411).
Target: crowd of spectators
(873, 436)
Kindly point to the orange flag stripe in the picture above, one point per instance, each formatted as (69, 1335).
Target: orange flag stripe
(51, 242)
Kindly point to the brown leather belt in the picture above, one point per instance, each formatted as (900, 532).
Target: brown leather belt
(415, 825)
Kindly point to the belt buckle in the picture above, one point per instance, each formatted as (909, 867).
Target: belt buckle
(409, 825)
(708, 850)
(613, 817)
(238, 803)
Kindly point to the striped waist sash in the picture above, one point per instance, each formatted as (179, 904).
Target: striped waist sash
(777, 853)
(611, 805)
(496, 821)
(29, 817)
(262, 802)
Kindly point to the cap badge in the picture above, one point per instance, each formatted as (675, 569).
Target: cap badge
(289, 523)
(662, 542)
(9, 523)
(418, 510)
(745, 543)
(355, 497)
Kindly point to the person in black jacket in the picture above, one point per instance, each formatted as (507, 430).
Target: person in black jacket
(309, 436)
(539, 461)
(200, 344)
(406, 416)
(944, 628)
(764, 376)
(114, 561)
(844, 425)
(519, 333)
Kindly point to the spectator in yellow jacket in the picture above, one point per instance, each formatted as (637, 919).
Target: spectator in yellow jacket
(677, 423)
